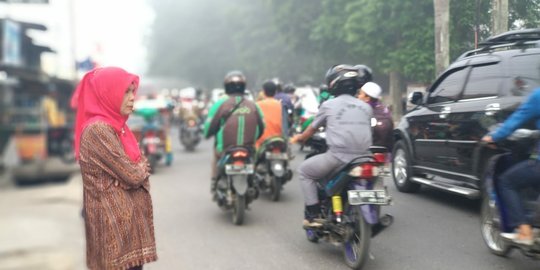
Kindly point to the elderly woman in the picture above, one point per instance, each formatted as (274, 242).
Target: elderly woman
(117, 203)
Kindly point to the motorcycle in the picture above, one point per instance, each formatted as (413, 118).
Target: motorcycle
(350, 203)
(235, 188)
(190, 133)
(494, 218)
(272, 166)
(154, 142)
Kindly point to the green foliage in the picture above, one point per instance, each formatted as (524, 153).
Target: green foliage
(201, 40)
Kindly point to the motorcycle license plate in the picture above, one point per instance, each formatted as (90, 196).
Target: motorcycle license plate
(357, 197)
(281, 156)
(239, 169)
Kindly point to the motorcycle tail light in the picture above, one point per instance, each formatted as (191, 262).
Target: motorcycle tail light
(276, 150)
(365, 171)
(240, 154)
(150, 134)
(379, 157)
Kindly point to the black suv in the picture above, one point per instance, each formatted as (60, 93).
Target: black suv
(437, 142)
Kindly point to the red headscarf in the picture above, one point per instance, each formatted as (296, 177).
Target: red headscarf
(98, 97)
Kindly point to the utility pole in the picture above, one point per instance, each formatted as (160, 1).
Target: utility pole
(442, 35)
(499, 17)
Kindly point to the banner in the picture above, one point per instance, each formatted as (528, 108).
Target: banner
(11, 47)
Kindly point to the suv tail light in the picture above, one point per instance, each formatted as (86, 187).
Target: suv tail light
(366, 171)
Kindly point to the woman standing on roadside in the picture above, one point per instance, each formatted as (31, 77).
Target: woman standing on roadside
(117, 203)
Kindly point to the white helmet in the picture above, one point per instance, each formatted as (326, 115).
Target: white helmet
(372, 89)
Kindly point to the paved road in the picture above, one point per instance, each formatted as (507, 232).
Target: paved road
(432, 230)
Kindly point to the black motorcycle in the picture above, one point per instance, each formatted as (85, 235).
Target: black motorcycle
(272, 166)
(350, 203)
(494, 219)
(234, 187)
(190, 133)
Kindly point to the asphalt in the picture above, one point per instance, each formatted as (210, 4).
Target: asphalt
(40, 225)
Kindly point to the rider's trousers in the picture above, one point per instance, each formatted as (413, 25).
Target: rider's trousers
(317, 169)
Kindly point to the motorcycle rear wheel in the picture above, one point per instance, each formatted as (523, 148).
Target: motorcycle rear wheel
(239, 208)
(356, 249)
(490, 229)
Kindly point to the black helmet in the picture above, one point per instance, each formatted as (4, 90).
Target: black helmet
(342, 79)
(279, 84)
(289, 88)
(235, 83)
(364, 74)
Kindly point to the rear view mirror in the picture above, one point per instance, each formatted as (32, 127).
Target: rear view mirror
(416, 98)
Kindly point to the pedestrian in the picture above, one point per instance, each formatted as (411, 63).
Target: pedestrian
(116, 189)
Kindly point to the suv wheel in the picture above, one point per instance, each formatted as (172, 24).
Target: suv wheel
(401, 169)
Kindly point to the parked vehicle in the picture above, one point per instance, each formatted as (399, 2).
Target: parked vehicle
(436, 144)
(516, 148)
(350, 204)
(235, 188)
(272, 166)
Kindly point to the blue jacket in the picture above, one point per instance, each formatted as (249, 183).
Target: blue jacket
(530, 109)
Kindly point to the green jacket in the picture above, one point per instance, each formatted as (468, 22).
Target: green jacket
(243, 127)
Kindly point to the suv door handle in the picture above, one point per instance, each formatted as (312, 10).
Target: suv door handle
(492, 108)
(445, 112)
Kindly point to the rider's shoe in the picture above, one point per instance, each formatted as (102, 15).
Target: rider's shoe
(514, 237)
(312, 217)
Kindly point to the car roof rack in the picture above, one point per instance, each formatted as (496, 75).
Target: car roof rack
(512, 36)
(508, 40)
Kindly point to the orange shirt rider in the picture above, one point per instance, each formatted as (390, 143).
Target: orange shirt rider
(272, 112)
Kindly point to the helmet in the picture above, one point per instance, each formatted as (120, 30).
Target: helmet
(342, 79)
(372, 89)
(279, 84)
(235, 82)
(289, 88)
(364, 74)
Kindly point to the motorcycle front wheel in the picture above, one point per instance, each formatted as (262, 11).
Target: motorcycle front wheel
(356, 248)
(239, 210)
(491, 232)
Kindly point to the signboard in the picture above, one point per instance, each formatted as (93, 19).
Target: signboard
(25, 1)
(11, 47)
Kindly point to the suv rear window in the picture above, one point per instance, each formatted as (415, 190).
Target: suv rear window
(525, 73)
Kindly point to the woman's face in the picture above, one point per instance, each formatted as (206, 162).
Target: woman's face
(128, 101)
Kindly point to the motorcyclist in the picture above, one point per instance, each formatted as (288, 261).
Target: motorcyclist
(348, 135)
(282, 96)
(383, 124)
(272, 111)
(521, 175)
(324, 95)
(234, 120)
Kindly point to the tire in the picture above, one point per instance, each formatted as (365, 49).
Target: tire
(356, 249)
(275, 189)
(311, 236)
(401, 169)
(490, 228)
(239, 210)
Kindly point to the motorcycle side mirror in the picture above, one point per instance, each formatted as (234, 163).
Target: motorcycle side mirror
(416, 98)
